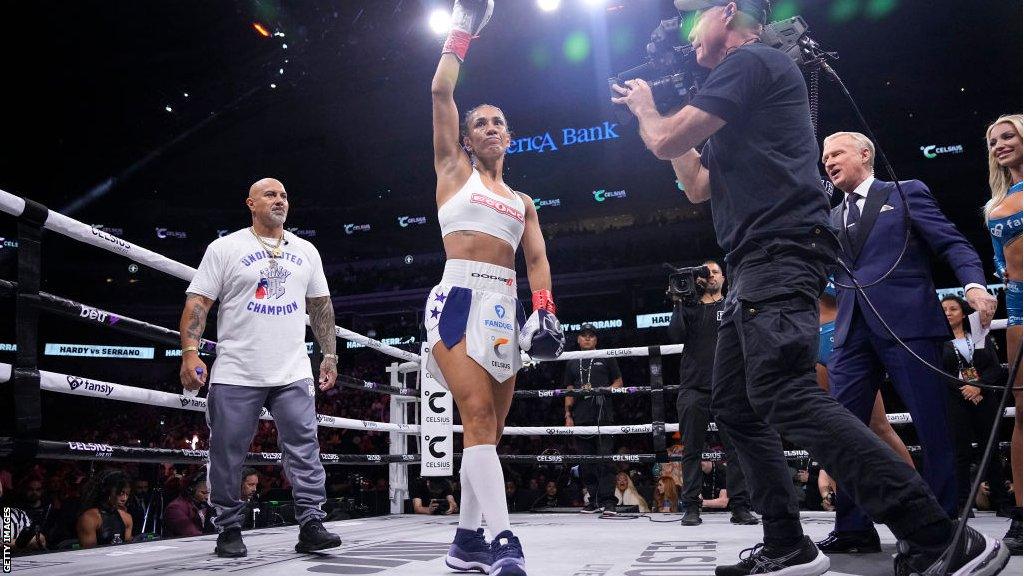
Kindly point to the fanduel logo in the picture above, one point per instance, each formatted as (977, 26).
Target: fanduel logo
(570, 136)
(933, 151)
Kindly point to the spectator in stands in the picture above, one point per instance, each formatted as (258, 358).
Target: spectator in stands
(249, 494)
(190, 514)
(104, 520)
(31, 499)
(972, 411)
(551, 498)
(22, 534)
(434, 496)
(140, 505)
(512, 497)
(626, 494)
(666, 497)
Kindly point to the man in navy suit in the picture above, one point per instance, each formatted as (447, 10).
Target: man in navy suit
(871, 222)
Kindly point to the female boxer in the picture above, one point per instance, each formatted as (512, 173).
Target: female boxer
(473, 318)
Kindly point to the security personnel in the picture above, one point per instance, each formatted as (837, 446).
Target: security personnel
(596, 410)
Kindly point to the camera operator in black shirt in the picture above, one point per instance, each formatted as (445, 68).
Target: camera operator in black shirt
(596, 410)
(759, 170)
(695, 325)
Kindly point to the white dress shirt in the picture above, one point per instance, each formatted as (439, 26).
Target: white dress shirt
(861, 191)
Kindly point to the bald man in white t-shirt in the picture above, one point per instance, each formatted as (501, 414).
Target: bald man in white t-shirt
(266, 280)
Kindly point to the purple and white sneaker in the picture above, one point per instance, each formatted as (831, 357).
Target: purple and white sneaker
(508, 556)
(469, 552)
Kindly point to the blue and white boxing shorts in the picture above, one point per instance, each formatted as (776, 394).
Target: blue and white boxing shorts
(476, 300)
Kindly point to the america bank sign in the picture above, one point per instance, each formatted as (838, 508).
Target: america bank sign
(564, 137)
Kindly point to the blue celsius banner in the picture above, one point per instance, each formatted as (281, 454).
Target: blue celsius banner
(101, 351)
(565, 137)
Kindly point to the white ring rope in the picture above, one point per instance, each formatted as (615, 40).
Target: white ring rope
(76, 230)
(76, 385)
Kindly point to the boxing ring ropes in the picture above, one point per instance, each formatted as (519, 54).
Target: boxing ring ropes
(28, 380)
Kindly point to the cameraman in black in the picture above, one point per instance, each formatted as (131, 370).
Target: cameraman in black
(593, 411)
(695, 325)
(771, 217)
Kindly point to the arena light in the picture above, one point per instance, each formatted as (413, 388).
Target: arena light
(261, 29)
(548, 5)
(440, 21)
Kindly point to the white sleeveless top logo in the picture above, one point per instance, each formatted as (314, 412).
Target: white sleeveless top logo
(475, 207)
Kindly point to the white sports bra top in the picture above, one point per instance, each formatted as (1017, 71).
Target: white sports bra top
(475, 207)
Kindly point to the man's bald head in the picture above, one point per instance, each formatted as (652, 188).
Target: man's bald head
(268, 203)
(263, 184)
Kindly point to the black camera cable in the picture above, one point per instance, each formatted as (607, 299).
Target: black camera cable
(947, 555)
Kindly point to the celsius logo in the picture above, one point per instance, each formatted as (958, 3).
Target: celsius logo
(406, 221)
(353, 228)
(933, 151)
(498, 342)
(602, 195)
(435, 396)
(432, 446)
(538, 203)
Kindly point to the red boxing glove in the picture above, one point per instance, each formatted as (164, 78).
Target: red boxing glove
(542, 300)
(457, 43)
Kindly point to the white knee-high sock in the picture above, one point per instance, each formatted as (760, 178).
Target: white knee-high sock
(470, 513)
(481, 466)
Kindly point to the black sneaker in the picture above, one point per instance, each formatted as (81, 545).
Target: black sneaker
(975, 555)
(851, 542)
(592, 508)
(229, 544)
(741, 515)
(1012, 540)
(313, 536)
(609, 511)
(691, 516)
(803, 560)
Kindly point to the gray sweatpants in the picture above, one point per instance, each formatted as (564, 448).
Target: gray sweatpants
(232, 413)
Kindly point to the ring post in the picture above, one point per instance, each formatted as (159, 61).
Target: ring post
(27, 405)
(657, 404)
(398, 475)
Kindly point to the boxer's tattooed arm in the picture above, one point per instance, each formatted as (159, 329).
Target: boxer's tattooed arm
(321, 320)
(193, 319)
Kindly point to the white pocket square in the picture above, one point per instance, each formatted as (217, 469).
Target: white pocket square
(885, 208)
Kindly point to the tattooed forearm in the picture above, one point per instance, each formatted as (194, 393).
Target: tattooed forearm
(193, 319)
(321, 320)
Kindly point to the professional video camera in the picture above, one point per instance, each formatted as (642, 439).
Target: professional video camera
(672, 71)
(682, 282)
